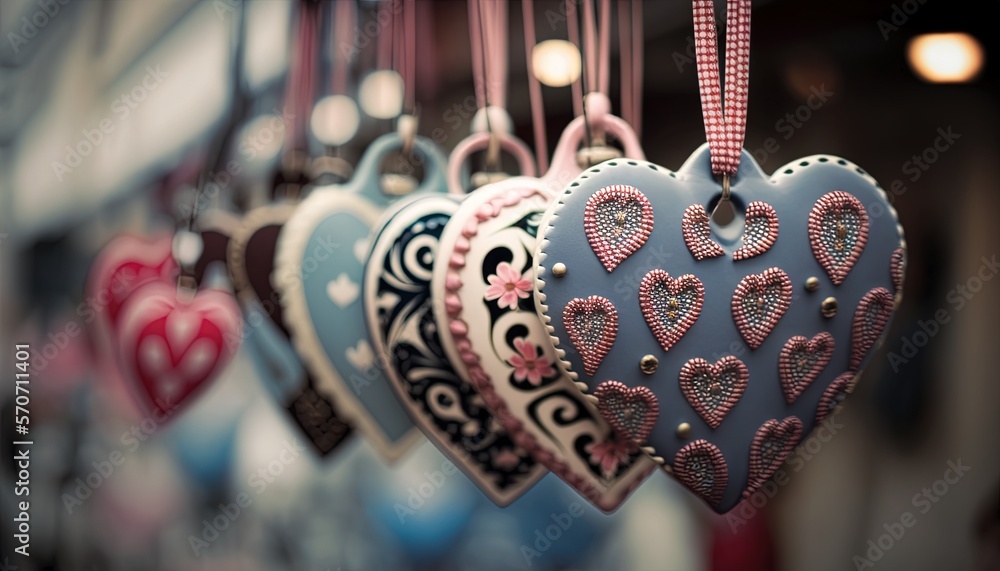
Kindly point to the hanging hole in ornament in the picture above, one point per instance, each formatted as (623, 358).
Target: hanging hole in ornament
(402, 173)
(727, 218)
(842, 163)
(823, 160)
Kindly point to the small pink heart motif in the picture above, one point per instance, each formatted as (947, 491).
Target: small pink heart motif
(873, 312)
(617, 220)
(670, 306)
(632, 412)
(698, 233)
(771, 446)
(838, 232)
(760, 231)
(897, 266)
(760, 300)
(592, 324)
(802, 360)
(172, 346)
(833, 396)
(701, 467)
(713, 390)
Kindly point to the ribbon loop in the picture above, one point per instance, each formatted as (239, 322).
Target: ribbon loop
(725, 120)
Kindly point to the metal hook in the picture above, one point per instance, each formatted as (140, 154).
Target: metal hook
(406, 127)
(493, 149)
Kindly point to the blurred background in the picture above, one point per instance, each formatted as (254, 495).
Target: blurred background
(905, 88)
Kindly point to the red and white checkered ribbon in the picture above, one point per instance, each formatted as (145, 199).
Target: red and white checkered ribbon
(725, 121)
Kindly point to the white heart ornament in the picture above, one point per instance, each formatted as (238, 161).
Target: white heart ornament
(320, 275)
(496, 341)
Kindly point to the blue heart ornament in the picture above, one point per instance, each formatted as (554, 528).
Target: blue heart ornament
(718, 348)
(320, 269)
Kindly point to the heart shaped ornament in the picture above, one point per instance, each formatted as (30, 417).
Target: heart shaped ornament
(745, 335)
(319, 272)
(251, 260)
(401, 312)
(173, 343)
(495, 340)
(124, 265)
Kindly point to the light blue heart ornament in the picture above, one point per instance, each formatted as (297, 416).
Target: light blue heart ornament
(717, 347)
(320, 267)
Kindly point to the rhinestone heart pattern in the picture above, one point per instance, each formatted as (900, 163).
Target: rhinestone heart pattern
(760, 231)
(670, 306)
(698, 233)
(801, 361)
(870, 319)
(838, 232)
(701, 467)
(771, 446)
(760, 300)
(592, 324)
(633, 412)
(617, 221)
(714, 389)
(897, 267)
(833, 396)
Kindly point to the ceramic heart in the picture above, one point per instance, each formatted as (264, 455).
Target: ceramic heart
(319, 274)
(400, 311)
(251, 260)
(125, 264)
(494, 338)
(795, 293)
(174, 344)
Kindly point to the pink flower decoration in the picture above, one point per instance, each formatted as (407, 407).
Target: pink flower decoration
(508, 286)
(610, 453)
(528, 366)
